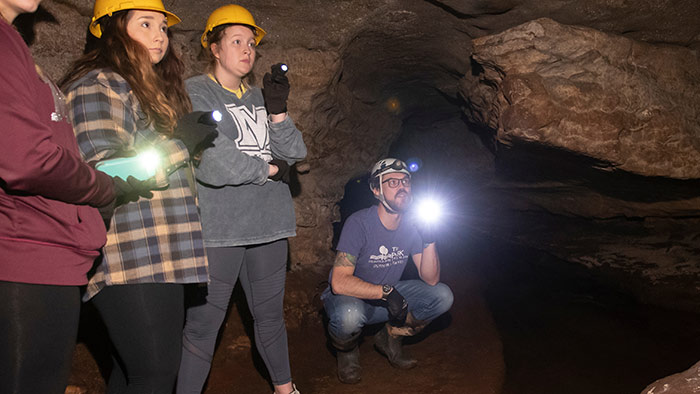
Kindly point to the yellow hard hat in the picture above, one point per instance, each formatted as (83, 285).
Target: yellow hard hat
(231, 14)
(108, 7)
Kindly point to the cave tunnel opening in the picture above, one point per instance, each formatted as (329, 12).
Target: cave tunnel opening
(562, 326)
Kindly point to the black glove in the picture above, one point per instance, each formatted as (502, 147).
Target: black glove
(397, 307)
(426, 232)
(124, 192)
(197, 130)
(107, 212)
(131, 189)
(282, 170)
(276, 90)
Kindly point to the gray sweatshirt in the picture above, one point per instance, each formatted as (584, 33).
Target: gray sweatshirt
(239, 205)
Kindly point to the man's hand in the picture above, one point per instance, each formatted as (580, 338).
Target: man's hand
(426, 232)
(397, 307)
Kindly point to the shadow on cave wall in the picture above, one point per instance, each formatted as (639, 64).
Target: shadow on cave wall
(530, 162)
(356, 196)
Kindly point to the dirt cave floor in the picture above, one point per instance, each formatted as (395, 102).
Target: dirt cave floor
(462, 346)
(514, 328)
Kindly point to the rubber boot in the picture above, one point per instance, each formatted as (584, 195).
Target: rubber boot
(392, 348)
(348, 355)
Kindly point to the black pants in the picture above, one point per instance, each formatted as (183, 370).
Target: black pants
(144, 322)
(38, 327)
(262, 272)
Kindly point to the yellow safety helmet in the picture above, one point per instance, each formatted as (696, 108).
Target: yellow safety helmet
(234, 14)
(108, 7)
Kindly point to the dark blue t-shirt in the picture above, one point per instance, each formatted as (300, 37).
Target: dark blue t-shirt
(381, 253)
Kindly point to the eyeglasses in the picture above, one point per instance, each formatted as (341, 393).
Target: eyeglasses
(394, 182)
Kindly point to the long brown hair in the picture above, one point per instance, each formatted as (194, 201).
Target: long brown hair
(159, 88)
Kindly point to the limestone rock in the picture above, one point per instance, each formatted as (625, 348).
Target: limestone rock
(632, 105)
(686, 382)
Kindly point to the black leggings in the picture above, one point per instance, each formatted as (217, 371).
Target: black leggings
(144, 322)
(38, 327)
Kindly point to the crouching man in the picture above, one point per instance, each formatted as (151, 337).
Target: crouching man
(374, 246)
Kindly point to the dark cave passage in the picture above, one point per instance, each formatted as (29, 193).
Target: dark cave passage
(564, 331)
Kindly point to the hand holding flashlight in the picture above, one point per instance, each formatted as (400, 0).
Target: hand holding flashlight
(278, 70)
(428, 212)
(126, 191)
(276, 89)
(131, 189)
(427, 233)
(210, 118)
(197, 130)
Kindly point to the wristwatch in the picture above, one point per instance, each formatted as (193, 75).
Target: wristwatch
(386, 289)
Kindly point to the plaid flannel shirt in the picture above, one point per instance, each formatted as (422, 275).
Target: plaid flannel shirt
(157, 240)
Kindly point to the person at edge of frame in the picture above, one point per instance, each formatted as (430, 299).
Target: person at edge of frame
(50, 229)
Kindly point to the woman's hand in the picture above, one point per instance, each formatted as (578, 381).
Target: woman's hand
(279, 170)
(276, 91)
(197, 130)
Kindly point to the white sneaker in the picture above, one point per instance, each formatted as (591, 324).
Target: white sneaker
(295, 391)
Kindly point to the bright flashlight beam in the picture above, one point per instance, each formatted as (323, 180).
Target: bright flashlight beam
(150, 160)
(429, 210)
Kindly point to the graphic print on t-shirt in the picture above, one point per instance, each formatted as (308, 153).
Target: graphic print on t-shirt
(253, 136)
(387, 258)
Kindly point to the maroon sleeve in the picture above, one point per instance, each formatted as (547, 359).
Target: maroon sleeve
(39, 156)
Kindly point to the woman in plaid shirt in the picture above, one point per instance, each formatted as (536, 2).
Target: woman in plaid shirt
(125, 96)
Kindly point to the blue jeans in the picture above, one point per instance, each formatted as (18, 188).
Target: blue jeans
(349, 314)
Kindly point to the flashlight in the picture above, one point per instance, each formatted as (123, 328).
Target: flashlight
(279, 69)
(142, 166)
(428, 210)
(210, 118)
(149, 160)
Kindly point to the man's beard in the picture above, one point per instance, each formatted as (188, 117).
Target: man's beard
(400, 207)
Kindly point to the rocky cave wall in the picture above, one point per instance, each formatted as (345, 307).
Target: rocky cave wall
(581, 128)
